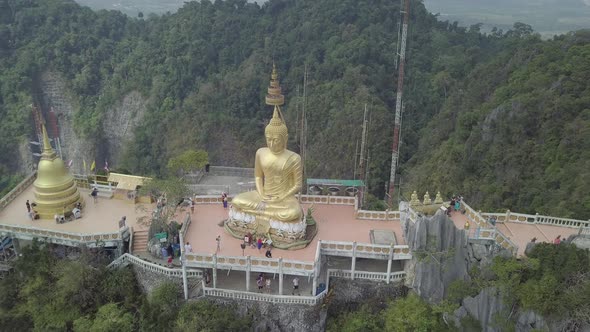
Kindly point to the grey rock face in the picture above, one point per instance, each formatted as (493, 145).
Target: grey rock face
(440, 256)
(117, 127)
(485, 307)
(529, 321)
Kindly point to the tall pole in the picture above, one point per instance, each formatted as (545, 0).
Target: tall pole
(398, 104)
(303, 137)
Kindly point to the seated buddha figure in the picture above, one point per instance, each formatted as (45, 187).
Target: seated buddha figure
(278, 176)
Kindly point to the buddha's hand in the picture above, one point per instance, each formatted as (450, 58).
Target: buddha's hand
(261, 206)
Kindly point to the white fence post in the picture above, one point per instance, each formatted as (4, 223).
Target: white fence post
(280, 275)
(248, 271)
(389, 263)
(214, 270)
(353, 260)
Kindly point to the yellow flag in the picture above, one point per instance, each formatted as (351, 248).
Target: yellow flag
(93, 166)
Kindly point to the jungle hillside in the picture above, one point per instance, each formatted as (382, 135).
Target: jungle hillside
(502, 117)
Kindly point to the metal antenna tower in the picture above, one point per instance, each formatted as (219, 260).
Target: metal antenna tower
(405, 12)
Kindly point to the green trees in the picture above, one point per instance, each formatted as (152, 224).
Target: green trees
(485, 114)
(44, 293)
(188, 161)
(406, 314)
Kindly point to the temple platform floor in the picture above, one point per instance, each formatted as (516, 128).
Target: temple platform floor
(522, 233)
(100, 217)
(335, 223)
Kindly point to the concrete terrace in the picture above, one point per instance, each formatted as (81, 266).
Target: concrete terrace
(335, 223)
(102, 217)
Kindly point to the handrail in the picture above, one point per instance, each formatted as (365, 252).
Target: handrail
(256, 263)
(378, 215)
(128, 258)
(394, 276)
(131, 240)
(479, 221)
(61, 235)
(20, 187)
(272, 298)
(536, 219)
(377, 251)
(186, 223)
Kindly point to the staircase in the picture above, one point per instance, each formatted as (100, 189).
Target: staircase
(140, 240)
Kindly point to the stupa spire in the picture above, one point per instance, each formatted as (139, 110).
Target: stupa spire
(48, 152)
(274, 96)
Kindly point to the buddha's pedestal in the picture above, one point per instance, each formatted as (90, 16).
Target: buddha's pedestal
(284, 235)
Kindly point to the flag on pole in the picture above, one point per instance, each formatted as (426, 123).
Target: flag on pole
(106, 166)
(93, 166)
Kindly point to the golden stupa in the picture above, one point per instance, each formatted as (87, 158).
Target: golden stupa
(56, 192)
(274, 96)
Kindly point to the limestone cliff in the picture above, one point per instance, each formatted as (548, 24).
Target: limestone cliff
(440, 256)
(116, 127)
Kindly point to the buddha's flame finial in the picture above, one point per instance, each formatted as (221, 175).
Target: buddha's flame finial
(274, 76)
(274, 96)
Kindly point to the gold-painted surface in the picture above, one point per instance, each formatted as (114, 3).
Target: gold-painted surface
(274, 96)
(278, 177)
(55, 188)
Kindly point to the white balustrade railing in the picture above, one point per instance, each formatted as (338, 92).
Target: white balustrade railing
(365, 250)
(24, 184)
(58, 236)
(375, 276)
(251, 296)
(378, 215)
(477, 220)
(584, 231)
(255, 264)
(536, 219)
(130, 259)
(479, 233)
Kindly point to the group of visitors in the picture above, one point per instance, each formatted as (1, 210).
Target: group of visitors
(455, 205)
(259, 243)
(264, 282)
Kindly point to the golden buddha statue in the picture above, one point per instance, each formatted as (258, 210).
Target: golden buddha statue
(272, 208)
(278, 176)
(55, 191)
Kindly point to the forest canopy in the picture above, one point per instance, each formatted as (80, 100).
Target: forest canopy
(502, 118)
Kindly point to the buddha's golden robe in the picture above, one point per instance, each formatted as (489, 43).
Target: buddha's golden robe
(278, 179)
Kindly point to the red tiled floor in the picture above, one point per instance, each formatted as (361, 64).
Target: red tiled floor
(335, 223)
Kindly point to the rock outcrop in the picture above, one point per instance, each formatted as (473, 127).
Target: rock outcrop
(440, 256)
(485, 307)
(117, 124)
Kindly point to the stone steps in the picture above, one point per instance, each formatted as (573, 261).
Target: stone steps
(140, 241)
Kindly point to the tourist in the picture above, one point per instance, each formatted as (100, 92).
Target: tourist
(170, 261)
(457, 204)
(533, 240)
(259, 243)
(268, 253)
(557, 240)
(207, 278)
(192, 206)
(28, 206)
(94, 194)
(170, 250)
(296, 286)
(123, 222)
(260, 282)
(246, 240)
(268, 285)
(225, 201)
(188, 248)
(218, 239)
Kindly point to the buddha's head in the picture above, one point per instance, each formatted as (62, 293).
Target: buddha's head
(276, 133)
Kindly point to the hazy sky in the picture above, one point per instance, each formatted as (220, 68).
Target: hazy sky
(546, 16)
